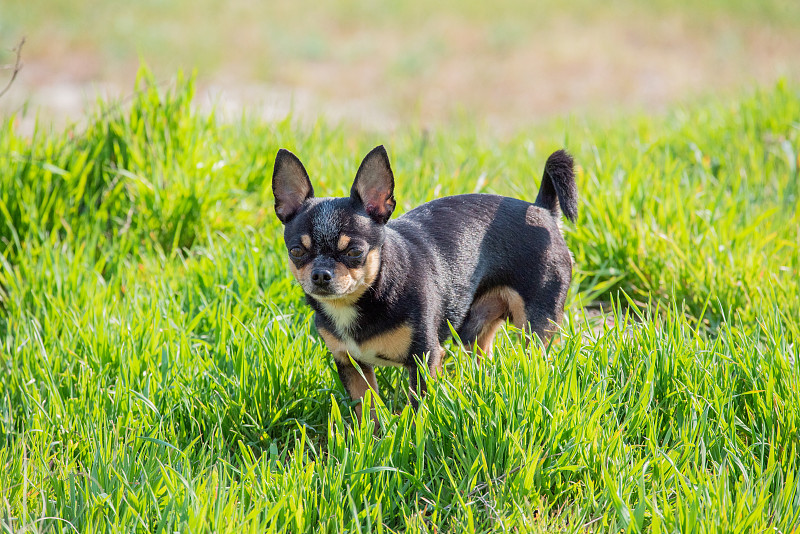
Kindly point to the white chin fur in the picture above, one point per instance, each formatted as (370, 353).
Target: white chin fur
(342, 316)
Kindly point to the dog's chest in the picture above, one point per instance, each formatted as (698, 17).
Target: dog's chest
(371, 353)
(388, 348)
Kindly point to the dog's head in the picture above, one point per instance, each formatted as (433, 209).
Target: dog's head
(334, 244)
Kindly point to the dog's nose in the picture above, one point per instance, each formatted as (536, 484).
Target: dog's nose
(321, 277)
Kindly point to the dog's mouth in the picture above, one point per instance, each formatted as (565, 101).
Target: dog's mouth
(323, 293)
(334, 294)
(329, 294)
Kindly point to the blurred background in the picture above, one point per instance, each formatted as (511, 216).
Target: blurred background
(380, 65)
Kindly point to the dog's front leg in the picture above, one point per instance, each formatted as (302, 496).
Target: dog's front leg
(356, 384)
(418, 388)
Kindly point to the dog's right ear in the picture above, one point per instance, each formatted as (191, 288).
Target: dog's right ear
(290, 185)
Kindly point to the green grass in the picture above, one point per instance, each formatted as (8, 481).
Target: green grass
(160, 371)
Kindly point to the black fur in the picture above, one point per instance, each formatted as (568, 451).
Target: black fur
(558, 186)
(290, 185)
(438, 259)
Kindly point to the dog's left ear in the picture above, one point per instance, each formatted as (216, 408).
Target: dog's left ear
(373, 187)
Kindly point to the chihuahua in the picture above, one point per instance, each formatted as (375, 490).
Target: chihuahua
(387, 293)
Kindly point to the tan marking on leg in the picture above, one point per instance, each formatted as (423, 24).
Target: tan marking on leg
(436, 362)
(516, 306)
(344, 240)
(490, 310)
(485, 340)
(305, 239)
(391, 345)
(356, 385)
(334, 344)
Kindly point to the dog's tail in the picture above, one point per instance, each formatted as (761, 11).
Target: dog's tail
(558, 189)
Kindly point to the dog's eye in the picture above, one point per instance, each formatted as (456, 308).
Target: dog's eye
(297, 252)
(355, 253)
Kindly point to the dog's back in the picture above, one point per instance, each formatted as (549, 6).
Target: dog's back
(471, 245)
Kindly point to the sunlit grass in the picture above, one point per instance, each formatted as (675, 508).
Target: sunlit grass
(160, 371)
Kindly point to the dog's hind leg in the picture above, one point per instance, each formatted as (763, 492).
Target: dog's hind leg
(487, 314)
(542, 317)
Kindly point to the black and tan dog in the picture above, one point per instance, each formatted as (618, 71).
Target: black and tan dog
(384, 292)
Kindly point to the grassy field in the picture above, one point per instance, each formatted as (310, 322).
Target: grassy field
(160, 371)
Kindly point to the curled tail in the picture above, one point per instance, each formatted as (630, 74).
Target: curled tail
(558, 189)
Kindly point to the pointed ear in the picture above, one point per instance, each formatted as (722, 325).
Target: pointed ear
(290, 184)
(373, 187)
